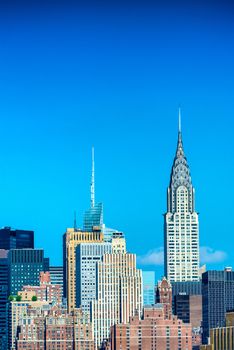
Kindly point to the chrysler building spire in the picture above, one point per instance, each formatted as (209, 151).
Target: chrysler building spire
(179, 151)
(180, 176)
(181, 221)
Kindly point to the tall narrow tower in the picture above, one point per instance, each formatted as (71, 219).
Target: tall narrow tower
(93, 181)
(93, 217)
(181, 226)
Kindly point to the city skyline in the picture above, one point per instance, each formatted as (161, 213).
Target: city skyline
(126, 106)
(116, 175)
(158, 266)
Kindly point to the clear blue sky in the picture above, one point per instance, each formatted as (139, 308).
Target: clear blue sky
(113, 77)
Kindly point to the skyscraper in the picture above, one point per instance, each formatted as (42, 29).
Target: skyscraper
(94, 231)
(217, 298)
(93, 217)
(3, 298)
(71, 239)
(222, 338)
(25, 266)
(87, 256)
(148, 287)
(188, 308)
(9, 239)
(186, 288)
(119, 291)
(16, 239)
(181, 227)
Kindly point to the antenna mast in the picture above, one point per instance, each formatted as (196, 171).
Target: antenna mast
(93, 181)
(75, 226)
(179, 120)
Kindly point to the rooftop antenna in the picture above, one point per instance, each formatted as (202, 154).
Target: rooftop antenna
(75, 226)
(179, 120)
(93, 181)
(179, 151)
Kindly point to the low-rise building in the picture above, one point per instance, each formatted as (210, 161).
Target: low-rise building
(46, 291)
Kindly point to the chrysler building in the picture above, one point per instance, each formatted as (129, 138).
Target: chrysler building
(181, 226)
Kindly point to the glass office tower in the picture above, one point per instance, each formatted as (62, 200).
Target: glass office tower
(3, 298)
(93, 217)
(25, 266)
(148, 287)
(16, 239)
(217, 299)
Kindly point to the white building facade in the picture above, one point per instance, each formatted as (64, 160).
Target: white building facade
(119, 292)
(181, 225)
(87, 256)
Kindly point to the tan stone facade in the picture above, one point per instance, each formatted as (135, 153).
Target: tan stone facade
(73, 238)
(119, 293)
(222, 338)
(206, 347)
(229, 319)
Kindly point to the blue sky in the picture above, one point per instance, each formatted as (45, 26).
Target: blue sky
(113, 76)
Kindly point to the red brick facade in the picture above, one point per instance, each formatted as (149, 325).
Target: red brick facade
(55, 330)
(46, 291)
(164, 296)
(154, 331)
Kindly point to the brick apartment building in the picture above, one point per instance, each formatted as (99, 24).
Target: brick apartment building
(54, 328)
(153, 331)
